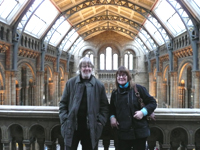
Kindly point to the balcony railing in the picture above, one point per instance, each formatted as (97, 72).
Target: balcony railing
(38, 127)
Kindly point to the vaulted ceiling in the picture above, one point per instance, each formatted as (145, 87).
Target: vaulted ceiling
(92, 17)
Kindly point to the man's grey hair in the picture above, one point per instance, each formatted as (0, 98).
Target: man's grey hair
(85, 60)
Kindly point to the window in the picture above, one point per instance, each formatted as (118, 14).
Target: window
(90, 55)
(108, 59)
(129, 61)
(115, 60)
(102, 62)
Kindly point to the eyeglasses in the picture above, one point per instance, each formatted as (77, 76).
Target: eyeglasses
(121, 75)
(85, 66)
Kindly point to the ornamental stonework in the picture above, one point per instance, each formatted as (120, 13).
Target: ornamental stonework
(3, 48)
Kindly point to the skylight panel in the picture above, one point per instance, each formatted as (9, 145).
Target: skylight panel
(60, 32)
(197, 2)
(154, 32)
(71, 37)
(143, 47)
(144, 39)
(195, 7)
(9, 9)
(78, 44)
(169, 17)
(41, 19)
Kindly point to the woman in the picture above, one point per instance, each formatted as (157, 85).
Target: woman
(127, 115)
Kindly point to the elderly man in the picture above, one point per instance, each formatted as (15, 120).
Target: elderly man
(83, 109)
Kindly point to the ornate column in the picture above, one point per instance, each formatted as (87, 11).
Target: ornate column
(164, 94)
(18, 95)
(96, 67)
(55, 99)
(6, 145)
(5, 138)
(10, 88)
(26, 96)
(196, 92)
(121, 61)
(150, 83)
(165, 146)
(173, 88)
(39, 88)
(190, 147)
(159, 90)
(40, 143)
(65, 78)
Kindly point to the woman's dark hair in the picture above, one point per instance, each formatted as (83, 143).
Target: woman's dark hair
(120, 70)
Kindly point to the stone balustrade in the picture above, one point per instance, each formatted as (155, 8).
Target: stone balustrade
(38, 127)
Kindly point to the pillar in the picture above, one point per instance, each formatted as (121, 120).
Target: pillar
(10, 88)
(150, 83)
(173, 88)
(196, 95)
(6, 145)
(39, 88)
(159, 89)
(55, 99)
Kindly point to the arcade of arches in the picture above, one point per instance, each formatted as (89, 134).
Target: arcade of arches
(29, 86)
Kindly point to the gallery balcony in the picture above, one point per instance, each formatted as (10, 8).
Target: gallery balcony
(38, 128)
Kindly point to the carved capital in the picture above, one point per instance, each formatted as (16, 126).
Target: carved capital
(173, 74)
(196, 74)
(3, 48)
(159, 73)
(11, 73)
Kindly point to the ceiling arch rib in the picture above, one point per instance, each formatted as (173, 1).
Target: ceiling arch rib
(133, 24)
(112, 28)
(144, 12)
(123, 3)
(87, 4)
(111, 18)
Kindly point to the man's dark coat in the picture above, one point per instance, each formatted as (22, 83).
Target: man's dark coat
(97, 104)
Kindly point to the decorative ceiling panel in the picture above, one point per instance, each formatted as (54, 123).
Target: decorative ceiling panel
(94, 8)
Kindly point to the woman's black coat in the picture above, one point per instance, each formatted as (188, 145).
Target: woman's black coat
(124, 104)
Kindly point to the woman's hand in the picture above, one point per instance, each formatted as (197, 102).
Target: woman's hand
(138, 115)
(113, 122)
